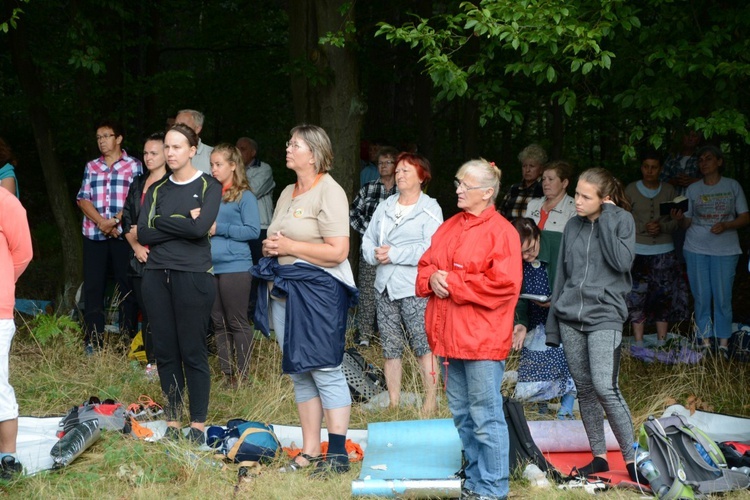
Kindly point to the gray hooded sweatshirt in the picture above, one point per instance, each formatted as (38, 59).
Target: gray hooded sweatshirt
(593, 274)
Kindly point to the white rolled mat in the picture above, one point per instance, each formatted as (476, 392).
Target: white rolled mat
(718, 426)
(566, 436)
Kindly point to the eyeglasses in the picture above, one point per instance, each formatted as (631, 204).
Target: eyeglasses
(104, 136)
(463, 187)
(386, 163)
(294, 145)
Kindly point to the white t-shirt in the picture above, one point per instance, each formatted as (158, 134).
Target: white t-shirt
(710, 205)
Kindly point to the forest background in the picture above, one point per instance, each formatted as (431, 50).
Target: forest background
(593, 81)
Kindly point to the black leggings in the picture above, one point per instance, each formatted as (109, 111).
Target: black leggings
(179, 309)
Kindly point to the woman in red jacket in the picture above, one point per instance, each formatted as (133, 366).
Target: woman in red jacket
(472, 276)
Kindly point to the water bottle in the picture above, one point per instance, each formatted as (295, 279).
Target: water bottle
(536, 477)
(648, 470)
(705, 456)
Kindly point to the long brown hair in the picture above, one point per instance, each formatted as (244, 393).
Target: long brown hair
(606, 185)
(239, 179)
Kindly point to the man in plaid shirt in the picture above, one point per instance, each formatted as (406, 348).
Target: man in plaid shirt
(106, 181)
(369, 197)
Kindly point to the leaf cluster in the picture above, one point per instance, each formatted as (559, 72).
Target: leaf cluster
(658, 65)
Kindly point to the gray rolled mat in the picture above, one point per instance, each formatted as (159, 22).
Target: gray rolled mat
(75, 442)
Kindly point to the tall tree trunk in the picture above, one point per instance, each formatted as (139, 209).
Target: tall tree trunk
(338, 102)
(341, 106)
(57, 188)
(303, 52)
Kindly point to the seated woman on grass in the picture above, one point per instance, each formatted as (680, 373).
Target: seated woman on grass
(542, 372)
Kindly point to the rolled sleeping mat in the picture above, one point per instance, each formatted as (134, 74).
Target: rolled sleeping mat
(408, 488)
(552, 436)
(75, 442)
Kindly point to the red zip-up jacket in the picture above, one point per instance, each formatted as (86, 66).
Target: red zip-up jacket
(482, 255)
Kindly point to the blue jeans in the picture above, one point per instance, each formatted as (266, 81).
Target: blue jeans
(711, 278)
(475, 401)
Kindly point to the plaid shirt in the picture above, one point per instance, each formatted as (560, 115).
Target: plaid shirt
(673, 167)
(515, 201)
(369, 197)
(106, 188)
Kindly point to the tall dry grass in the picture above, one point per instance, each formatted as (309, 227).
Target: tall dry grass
(51, 377)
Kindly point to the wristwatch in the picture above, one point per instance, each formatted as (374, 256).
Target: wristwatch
(117, 220)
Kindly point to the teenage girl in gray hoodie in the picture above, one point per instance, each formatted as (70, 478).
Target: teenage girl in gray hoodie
(589, 310)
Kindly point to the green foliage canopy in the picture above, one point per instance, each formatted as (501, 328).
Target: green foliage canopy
(656, 63)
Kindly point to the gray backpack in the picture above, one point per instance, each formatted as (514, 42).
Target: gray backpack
(688, 459)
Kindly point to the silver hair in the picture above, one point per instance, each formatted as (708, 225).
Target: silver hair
(486, 173)
(198, 117)
(533, 152)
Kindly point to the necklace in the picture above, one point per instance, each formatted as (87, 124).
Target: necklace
(402, 210)
(298, 188)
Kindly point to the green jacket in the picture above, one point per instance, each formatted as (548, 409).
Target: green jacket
(549, 248)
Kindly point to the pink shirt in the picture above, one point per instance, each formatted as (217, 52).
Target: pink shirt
(15, 249)
(106, 188)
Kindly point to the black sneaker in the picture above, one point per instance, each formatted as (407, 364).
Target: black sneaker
(172, 434)
(196, 436)
(10, 468)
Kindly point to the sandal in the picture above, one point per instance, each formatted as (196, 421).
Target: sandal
(294, 466)
(333, 464)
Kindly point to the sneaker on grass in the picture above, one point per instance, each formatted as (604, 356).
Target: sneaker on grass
(10, 468)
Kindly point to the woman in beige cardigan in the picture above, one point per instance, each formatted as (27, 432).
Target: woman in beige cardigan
(659, 293)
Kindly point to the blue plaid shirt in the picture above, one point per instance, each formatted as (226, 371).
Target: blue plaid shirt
(673, 167)
(369, 197)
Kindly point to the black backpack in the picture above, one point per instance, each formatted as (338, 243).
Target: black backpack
(523, 449)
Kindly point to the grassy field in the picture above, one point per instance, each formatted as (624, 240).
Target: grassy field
(50, 374)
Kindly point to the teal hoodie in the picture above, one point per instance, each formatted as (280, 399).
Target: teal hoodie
(593, 274)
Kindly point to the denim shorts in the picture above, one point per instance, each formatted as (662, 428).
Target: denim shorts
(329, 384)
